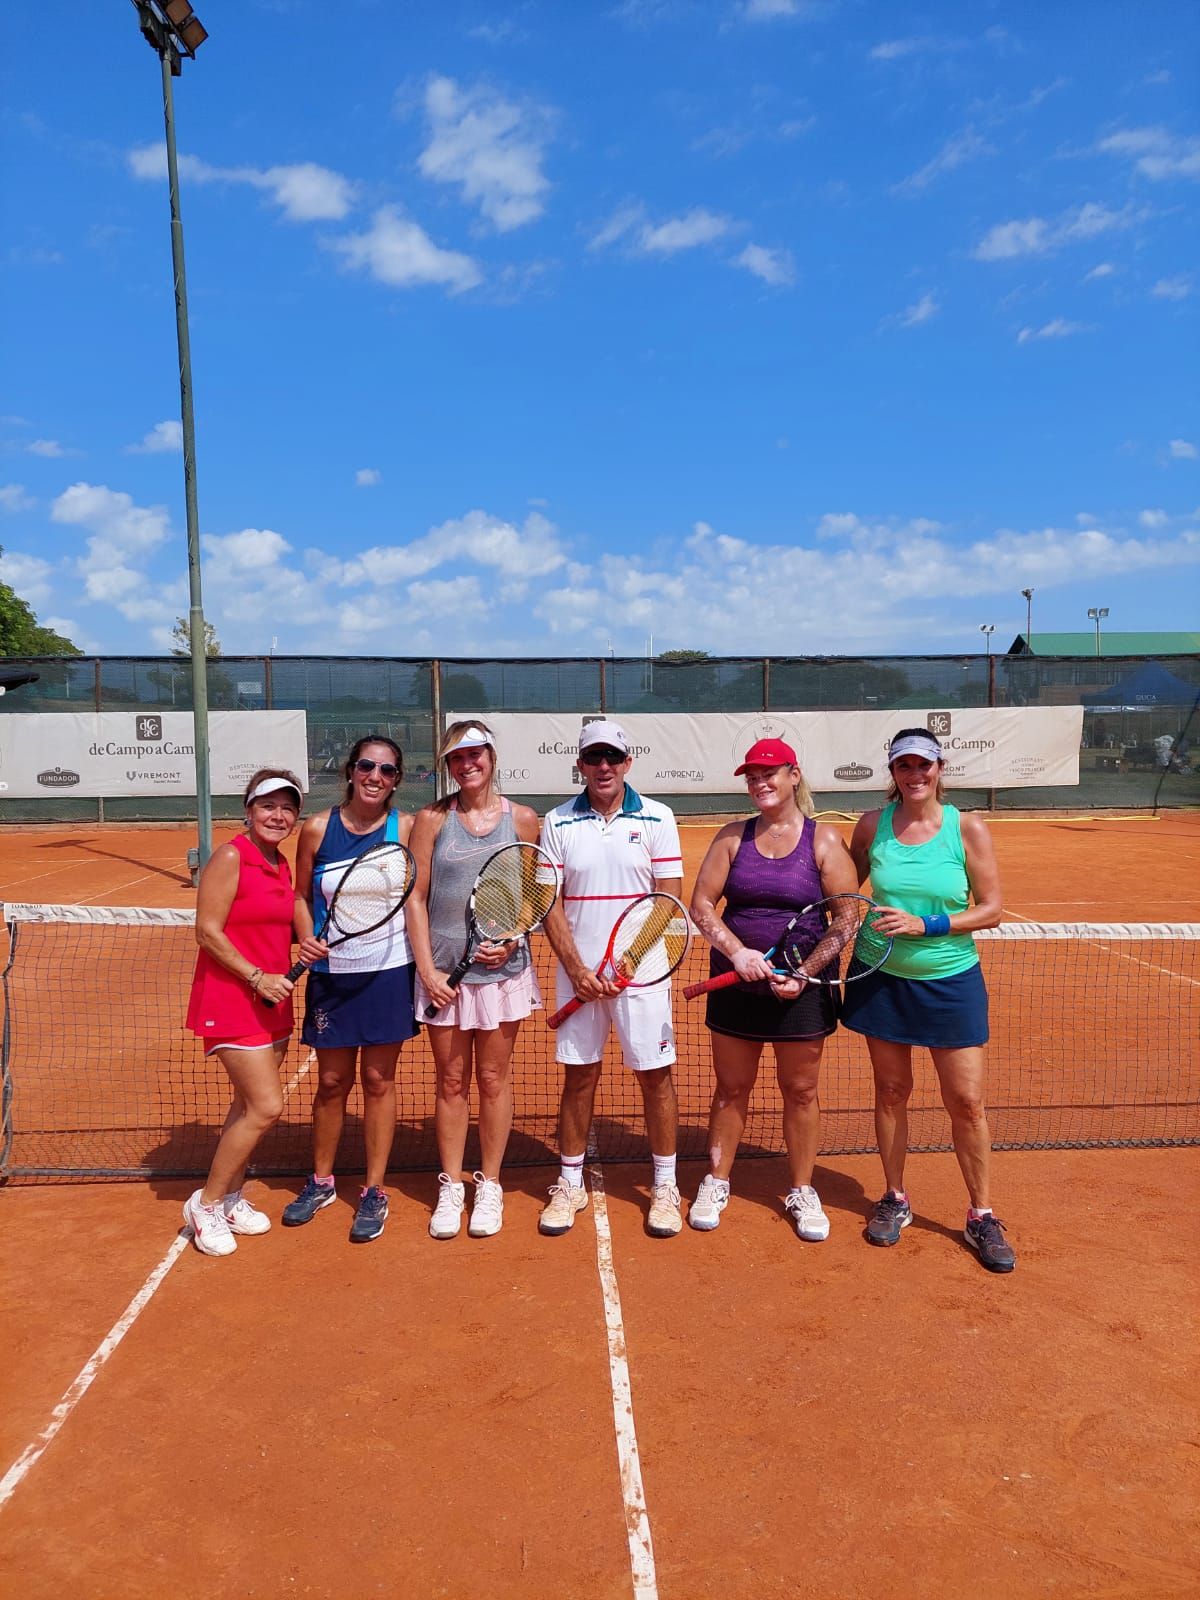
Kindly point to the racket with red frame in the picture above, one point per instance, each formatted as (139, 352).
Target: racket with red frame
(647, 943)
(833, 941)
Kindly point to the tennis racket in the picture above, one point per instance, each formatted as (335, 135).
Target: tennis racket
(513, 893)
(372, 889)
(832, 941)
(648, 941)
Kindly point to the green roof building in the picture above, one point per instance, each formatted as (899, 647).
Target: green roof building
(1111, 644)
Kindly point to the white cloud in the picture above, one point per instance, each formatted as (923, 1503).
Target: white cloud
(123, 535)
(28, 575)
(398, 252)
(1156, 153)
(956, 152)
(249, 551)
(51, 449)
(770, 10)
(922, 310)
(304, 192)
(914, 45)
(695, 227)
(773, 266)
(1031, 236)
(531, 550)
(368, 477)
(1153, 519)
(1104, 269)
(1176, 288)
(490, 147)
(623, 219)
(1058, 328)
(162, 438)
(13, 498)
(1183, 450)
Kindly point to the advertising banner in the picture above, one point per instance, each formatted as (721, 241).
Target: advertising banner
(985, 747)
(116, 753)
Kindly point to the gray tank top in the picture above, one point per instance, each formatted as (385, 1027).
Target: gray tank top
(458, 856)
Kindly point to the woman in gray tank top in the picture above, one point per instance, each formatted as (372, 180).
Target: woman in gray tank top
(476, 1024)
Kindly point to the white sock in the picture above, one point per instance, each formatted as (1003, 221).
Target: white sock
(664, 1169)
(571, 1171)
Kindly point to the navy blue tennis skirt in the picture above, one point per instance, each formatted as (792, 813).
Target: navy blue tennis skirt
(343, 1010)
(939, 1013)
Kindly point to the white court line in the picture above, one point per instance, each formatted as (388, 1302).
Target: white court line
(58, 1417)
(1112, 949)
(30, 1456)
(633, 1494)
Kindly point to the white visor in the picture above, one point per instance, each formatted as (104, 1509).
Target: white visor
(273, 786)
(915, 744)
(471, 738)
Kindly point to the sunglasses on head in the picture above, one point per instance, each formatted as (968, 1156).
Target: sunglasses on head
(388, 769)
(593, 758)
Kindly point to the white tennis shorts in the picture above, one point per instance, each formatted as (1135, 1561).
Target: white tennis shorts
(641, 1018)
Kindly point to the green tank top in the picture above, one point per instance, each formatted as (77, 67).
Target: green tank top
(925, 879)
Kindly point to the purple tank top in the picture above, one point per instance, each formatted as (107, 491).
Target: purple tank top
(762, 896)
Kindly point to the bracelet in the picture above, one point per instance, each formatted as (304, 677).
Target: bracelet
(255, 979)
(938, 924)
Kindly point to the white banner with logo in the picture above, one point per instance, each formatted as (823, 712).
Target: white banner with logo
(115, 753)
(985, 747)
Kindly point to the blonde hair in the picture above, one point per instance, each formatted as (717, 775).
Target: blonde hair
(801, 792)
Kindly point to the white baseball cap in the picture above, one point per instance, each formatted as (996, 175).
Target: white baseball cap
(603, 732)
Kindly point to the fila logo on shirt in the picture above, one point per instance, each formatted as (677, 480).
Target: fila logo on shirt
(635, 835)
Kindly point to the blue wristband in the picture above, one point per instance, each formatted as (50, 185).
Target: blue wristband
(938, 924)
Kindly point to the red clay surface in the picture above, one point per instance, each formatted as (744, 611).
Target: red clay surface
(420, 1419)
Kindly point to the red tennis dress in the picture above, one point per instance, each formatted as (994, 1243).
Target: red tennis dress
(259, 926)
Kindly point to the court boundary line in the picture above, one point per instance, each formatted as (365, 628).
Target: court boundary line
(633, 1492)
(90, 1370)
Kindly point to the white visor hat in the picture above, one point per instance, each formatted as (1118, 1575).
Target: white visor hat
(471, 738)
(273, 786)
(915, 744)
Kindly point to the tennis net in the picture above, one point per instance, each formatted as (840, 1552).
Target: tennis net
(1094, 1034)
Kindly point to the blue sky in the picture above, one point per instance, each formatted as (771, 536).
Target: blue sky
(534, 328)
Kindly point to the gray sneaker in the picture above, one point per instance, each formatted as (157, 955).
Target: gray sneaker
(890, 1216)
(711, 1199)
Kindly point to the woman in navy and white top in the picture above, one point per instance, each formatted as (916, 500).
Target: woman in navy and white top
(476, 1025)
(358, 1000)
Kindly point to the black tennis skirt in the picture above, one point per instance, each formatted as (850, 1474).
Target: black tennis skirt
(743, 1014)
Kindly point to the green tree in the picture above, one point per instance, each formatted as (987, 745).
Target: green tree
(182, 635)
(21, 634)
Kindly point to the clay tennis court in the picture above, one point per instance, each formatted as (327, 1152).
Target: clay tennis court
(452, 1420)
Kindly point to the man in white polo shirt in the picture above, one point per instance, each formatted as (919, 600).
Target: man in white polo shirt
(610, 846)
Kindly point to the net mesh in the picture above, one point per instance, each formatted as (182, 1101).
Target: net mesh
(1094, 1032)
(651, 939)
(516, 889)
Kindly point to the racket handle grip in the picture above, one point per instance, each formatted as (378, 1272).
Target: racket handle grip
(293, 972)
(723, 980)
(573, 1005)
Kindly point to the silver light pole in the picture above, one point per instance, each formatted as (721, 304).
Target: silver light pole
(172, 30)
(988, 629)
(1097, 613)
(1028, 593)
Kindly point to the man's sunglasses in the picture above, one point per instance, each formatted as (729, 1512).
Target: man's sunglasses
(593, 758)
(388, 769)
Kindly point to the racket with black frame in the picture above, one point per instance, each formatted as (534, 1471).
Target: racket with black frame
(516, 887)
(833, 941)
(647, 943)
(371, 891)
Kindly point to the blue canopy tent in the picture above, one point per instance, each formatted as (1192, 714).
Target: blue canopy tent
(1152, 703)
(1147, 687)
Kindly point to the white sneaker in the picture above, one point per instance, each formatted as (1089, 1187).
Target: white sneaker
(210, 1230)
(804, 1208)
(711, 1199)
(242, 1217)
(487, 1212)
(565, 1204)
(447, 1214)
(665, 1219)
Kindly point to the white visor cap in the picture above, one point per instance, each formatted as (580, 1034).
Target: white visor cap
(915, 744)
(471, 738)
(273, 786)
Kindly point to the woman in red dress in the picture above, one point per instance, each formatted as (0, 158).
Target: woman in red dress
(244, 930)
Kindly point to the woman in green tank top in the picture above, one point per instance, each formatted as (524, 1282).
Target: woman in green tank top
(933, 870)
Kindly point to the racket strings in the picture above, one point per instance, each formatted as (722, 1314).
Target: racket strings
(843, 937)
(514, 892)
(371, 890)
(651, 939)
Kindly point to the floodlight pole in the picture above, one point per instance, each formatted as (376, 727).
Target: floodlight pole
(1096, 613)
(161, 34)
(1028, 593)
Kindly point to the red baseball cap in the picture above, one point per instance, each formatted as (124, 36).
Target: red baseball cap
(768, 753)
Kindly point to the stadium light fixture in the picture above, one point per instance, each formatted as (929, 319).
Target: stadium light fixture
(172, 30)
(1097, 613)
(1028, 594)
(987, 629)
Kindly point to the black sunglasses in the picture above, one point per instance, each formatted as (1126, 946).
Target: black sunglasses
(593, 758)
(388, 768)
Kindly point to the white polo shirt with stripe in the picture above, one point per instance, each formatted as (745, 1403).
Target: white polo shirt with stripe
(603, 865)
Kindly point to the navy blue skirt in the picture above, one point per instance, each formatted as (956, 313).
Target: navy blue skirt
(343, 1010)
(939, 1013)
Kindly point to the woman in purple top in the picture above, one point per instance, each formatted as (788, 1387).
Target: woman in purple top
(767, 869)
